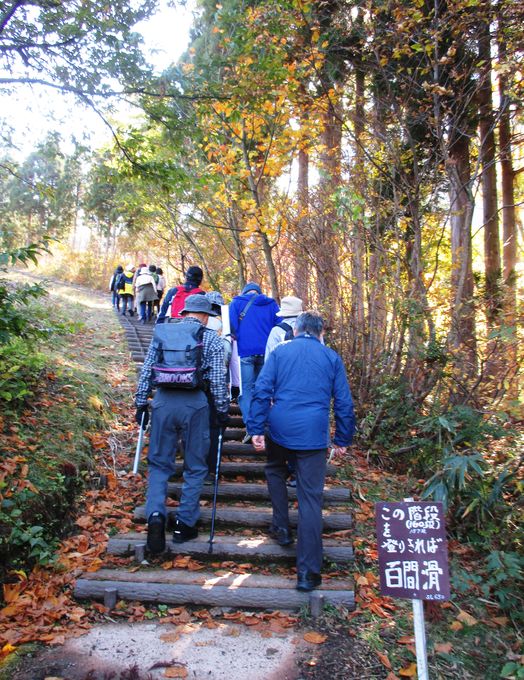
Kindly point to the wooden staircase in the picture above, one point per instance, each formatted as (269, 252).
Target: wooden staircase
(246, 569)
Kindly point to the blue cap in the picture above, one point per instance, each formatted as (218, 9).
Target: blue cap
(251, 286)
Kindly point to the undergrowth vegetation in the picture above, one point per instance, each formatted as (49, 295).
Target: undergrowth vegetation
(53, 400)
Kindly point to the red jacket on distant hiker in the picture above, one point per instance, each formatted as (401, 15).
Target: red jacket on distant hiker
(194, 276)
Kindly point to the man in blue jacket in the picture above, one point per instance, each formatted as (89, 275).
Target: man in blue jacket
(252, 316)
(292, 399)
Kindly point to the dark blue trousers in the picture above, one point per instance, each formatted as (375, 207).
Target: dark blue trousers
(178, 415)
(310, 475)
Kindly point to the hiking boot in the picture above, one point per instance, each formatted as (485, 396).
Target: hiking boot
(307, 581)
(183, 532)
(156, 534)
(281, 535)
(209, 480)
(247, 439)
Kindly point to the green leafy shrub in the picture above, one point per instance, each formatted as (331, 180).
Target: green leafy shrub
(21, 366)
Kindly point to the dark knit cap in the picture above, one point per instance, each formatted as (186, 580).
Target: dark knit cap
(194, 275)
(251, 286)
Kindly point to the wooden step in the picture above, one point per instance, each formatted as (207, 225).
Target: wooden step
(252, 517)
(247, 469)
(236, 421)
(234, 434)
(237, 449)
(241, 490)
(230, 547)
(234, 410)
(223, 589)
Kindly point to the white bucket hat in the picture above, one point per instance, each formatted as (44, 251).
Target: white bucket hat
(291, 306)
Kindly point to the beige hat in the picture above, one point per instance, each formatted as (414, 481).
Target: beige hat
(291, 306)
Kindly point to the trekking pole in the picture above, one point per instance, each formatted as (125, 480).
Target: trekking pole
(139, 444)
(215, 492)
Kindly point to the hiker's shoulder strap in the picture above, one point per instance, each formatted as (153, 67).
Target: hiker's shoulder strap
(246, 308)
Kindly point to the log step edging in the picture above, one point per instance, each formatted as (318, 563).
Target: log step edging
(261, 517)
(242, 547)
(229, 589)
(244, 490)
(247, 469)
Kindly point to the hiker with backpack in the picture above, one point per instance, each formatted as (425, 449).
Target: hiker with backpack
(160, 288)
(252, 316)
(146, 294)
(176, 296)
(215, 323)
(115, 298)
(185, 360)
(290, 308)
(126, 291)
(291, 402)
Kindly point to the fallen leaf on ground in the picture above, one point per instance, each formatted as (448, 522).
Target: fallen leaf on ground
(443, 647)
(456, 625)
(408, 672)
(467, 618)
(177, 672)
(384, 660)
(170, 637)
(315, 638)
(406, 640)
(500, 620)
(391, 676)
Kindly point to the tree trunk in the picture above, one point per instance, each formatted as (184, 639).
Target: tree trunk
(357, 246)
(462, 333)
(326, 257)
(489, 180)
(301, 265)
(509, 226)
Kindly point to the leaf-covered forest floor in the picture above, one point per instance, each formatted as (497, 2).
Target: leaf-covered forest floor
(78, 426)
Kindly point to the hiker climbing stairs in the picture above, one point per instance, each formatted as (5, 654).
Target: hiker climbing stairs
(246, 569)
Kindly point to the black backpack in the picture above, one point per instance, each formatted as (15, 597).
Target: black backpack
(178, 363)
(289, 330)
(122, 280)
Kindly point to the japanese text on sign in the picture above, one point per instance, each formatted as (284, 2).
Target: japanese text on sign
(412, 550)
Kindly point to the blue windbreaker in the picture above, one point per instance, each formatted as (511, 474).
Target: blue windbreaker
(293, 396)
(253, 331)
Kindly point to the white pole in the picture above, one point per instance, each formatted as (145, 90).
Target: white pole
(420, 639)
(420, 633)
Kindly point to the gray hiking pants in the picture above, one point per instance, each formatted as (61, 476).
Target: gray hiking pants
(310, 475)
(178, 415)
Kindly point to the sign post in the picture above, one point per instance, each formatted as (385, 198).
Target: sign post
(413, 560)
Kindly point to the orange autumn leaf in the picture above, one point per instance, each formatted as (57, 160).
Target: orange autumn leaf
(391, 676)
(500, 620)
(456, 625)
(251, 621)
(85, 521)
(12, 591)
(315, 638)
(406, 640)
(176, 672)
(384, 660)
(466, 618)
(7, 649)
(408, 672)
(443, 647)
(170, 637)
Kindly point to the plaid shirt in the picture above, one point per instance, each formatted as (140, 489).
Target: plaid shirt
(212, 370)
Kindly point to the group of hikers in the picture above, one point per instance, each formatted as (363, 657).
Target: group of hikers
(286, 382)
(137, 290)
